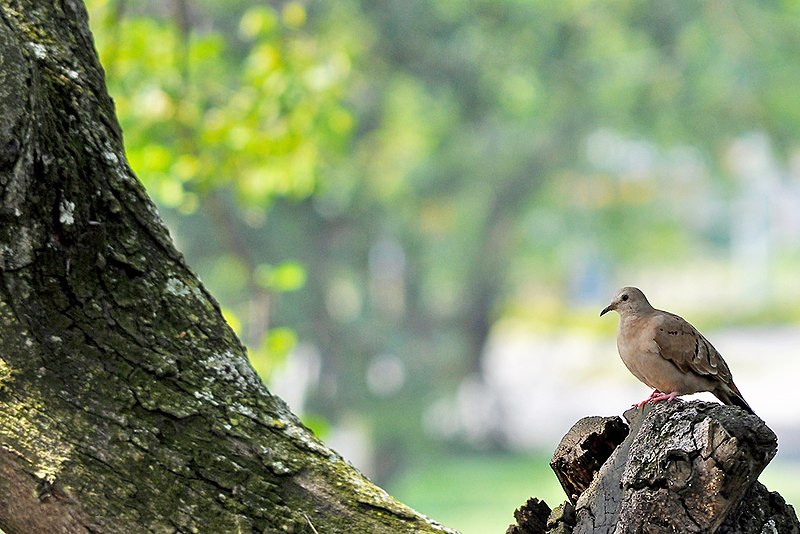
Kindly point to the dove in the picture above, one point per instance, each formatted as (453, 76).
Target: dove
(668, 354)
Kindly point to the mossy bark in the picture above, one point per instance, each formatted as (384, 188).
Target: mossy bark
(126, 402)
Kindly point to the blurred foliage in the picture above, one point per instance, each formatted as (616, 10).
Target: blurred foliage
(377, 182)
(253, 109)
(200, 114)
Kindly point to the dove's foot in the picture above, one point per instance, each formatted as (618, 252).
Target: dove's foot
(664, 396)
(653, 395)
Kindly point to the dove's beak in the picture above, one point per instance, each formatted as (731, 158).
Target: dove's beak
(607, 309)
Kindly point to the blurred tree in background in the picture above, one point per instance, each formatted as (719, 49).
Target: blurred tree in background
(370, 185)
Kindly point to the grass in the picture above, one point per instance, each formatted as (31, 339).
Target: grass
(478, 493)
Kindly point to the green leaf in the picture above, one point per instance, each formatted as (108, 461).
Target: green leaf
(257, 21)
(280, 342)
(288, 276)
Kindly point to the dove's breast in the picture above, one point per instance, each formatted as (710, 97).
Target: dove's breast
(642, 356)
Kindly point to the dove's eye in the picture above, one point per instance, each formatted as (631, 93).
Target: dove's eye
(624, 298)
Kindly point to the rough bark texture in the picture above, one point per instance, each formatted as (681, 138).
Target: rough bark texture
(126, 402)
(684, 467)
(687, 468)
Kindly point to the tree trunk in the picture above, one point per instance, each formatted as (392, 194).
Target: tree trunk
(126, 402)
(683, 467)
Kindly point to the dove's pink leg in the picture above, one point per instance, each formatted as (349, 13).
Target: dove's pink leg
(657, 396)
(652, 397)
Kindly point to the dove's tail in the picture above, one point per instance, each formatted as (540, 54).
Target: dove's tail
(729, 394)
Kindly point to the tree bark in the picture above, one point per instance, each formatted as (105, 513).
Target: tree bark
(126, 402)
(684, 467)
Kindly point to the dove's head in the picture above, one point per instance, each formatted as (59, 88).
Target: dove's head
(628, 300)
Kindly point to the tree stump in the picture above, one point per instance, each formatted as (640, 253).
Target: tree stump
(684, 467)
